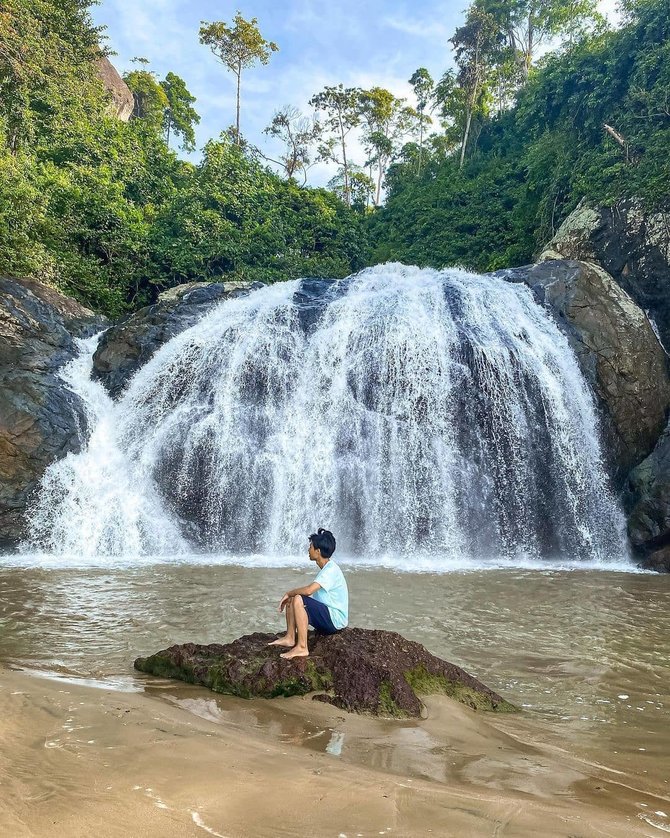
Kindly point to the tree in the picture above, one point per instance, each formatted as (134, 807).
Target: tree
(298, 133)
(238, 48)
(150, 99)
(527, 24)
(48, 79)
(179, 116)
(359, 186)
(341, 106)
(386, 119)
(423, 86)
(475, 44)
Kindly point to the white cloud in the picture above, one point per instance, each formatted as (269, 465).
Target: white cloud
(420, 28)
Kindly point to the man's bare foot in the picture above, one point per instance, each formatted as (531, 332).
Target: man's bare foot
(296, 652)
(282, 641)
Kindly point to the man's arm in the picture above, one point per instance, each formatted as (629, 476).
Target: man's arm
(306, 590)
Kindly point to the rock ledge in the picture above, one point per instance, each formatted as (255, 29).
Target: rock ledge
(359, 670)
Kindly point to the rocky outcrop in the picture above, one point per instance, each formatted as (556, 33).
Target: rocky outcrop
(128, 345)
(39, 418)
(121, 97)
(617, 348)
(359, 670)
(648, 500)
(631, 244)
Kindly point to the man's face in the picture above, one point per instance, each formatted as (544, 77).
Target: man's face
(313, 553)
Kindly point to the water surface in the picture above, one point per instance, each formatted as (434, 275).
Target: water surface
(584, 652)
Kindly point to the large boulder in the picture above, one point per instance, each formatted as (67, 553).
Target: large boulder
(40, 419)
(631, 244)
(617, 348)
(359, 670)
(648, 500)
(128, 345)
(122, 101)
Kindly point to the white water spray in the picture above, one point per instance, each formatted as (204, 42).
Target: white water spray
(411, 411)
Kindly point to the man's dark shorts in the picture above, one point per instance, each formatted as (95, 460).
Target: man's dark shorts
(318, 615)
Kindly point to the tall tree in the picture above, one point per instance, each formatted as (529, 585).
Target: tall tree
(341, 107)
(423, 86)
(180, 116)
(298, 133)
(238, 47)
(475, 45)
(527, 24)
(386, 120)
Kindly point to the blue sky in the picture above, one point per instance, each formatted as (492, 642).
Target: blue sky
(357, 42)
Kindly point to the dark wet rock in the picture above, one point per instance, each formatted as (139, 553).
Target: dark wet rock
(648, 500)
(617, 348)
(359, 670)
(40, 420)
(129, 344)
(311, 299)
(631, 244)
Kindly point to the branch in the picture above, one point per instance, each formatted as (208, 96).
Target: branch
(620, 140)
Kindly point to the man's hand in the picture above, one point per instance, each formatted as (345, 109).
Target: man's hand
(283, 602)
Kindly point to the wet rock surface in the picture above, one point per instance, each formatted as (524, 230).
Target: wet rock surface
(358, 670)
(40, 419)
(128, 345)
(648, 501)
(631, 244)
(617, 348)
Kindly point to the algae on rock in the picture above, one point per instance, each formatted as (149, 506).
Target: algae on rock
(358, 670)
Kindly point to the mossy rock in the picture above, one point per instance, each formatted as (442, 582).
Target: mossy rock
(358, 670)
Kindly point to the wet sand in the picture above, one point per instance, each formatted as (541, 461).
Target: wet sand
(77, 760)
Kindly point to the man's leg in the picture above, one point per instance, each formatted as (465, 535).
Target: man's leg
(300, 649)
(288, 640)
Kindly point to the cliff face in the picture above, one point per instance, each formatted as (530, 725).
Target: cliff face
(634, 247)
(121, 104)
(617, 349)
(40, 419)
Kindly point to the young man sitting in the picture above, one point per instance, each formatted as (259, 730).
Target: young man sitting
(324, 604)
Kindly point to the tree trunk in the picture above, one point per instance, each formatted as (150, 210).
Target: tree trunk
(237, 116)
(466, 134)
(345, 166)
(418, 170)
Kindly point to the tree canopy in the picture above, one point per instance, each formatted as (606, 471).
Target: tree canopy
(591, 119)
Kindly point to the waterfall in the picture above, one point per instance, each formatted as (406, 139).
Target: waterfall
(409, 410)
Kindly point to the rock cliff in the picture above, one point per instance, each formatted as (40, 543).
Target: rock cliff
(631, 244)
(128, 345)
(617, 348)
(121, 97)
(40, 419)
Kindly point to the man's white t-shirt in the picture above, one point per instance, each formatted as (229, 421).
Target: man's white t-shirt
(333, 593)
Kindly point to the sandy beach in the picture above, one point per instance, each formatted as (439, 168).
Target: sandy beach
(77, 760)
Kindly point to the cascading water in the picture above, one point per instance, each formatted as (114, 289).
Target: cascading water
(408, 410)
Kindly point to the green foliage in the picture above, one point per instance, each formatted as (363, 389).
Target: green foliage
(233, 217)
(341, 112)
(237, 47)
(534, 162)
(151, 100)
(106, 211)
(180, 116)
